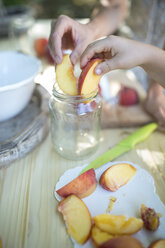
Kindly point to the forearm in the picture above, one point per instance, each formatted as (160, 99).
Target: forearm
(109, 18)
(155, 64)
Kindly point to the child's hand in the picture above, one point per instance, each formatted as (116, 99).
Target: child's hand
(117, 52)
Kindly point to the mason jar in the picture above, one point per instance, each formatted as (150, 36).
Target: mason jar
(75, 124)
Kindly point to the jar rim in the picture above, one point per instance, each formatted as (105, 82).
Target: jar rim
(78, 98)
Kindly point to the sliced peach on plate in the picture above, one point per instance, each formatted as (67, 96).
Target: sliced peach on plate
(65, 78)
(118, 224)
(116, 176)
(99, 237)
(122, 242)
(82, 186)
(77, 218)
(158, 244)
(88, 80)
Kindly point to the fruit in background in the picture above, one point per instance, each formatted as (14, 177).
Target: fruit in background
(82, 186)
(150, 218)
(99, 237)
(40, 46)
(118, 224)
(158, 244)
(77, 218)
(116, 176)
(122, 242)
(42, 50)
(65, 76)
(88, 80)
(49, 56)
(128, 96)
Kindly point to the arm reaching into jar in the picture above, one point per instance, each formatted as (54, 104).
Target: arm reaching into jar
(67, 33)
(121, 53)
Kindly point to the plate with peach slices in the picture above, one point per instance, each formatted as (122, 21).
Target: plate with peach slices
(112, 206)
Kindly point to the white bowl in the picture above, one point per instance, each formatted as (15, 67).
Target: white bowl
(17, 72)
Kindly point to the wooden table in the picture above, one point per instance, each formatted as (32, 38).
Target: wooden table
(28, 209)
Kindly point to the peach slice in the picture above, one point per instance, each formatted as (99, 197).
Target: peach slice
(99, 237)
(88, 80)
(65, 78)
(77, 218)
(82, 186)
(158, 244)
(122, 242)
(118, 224)
(116, 176)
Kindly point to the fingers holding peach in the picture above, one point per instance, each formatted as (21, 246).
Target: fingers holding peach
(67, 82)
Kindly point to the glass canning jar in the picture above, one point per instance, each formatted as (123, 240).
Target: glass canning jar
(75, 124)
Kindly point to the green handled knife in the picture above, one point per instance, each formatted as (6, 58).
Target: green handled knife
(124, 146)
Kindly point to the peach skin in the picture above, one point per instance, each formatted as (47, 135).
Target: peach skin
(82, 186)
(88, 80)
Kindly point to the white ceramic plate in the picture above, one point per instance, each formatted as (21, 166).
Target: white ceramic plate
(140, 189)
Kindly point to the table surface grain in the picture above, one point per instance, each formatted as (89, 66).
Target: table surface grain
(28, 209)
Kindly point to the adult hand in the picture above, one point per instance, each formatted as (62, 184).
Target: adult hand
(155, 102)
(67, 33)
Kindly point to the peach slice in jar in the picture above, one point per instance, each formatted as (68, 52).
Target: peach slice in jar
(88, 81)
(122, 242)
(65, 78)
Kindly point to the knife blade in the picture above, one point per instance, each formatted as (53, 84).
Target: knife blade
(124, 146)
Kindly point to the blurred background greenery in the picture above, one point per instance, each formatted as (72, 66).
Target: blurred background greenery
(53, 8)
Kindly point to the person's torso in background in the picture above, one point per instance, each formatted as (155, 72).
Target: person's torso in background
(147, 23)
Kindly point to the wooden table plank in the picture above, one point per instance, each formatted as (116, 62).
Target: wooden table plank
(28, 209)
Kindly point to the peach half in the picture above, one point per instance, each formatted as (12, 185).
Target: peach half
(77, 218)
(65, 78)
(82, 186)
(88, 80)
(116, 176)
